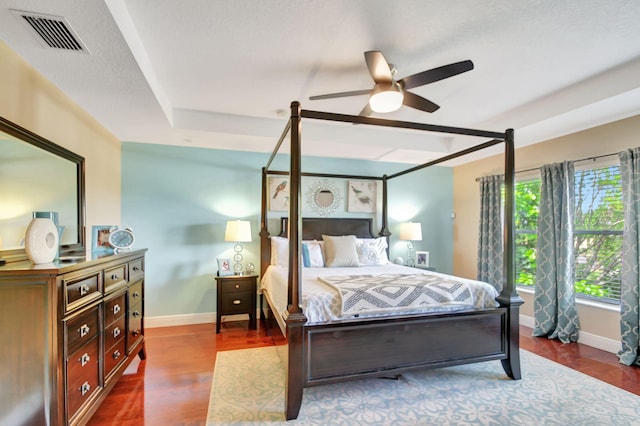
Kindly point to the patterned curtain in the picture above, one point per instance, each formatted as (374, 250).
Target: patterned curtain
(490, 241)
(554, 300)
(630, 283)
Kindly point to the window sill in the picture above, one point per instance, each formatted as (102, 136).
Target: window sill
(579, 301)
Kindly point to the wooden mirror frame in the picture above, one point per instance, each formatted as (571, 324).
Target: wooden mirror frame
(53, 148)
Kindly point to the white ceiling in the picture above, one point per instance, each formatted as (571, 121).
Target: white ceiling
(221, 74)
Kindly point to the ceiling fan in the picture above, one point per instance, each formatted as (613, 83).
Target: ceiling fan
(388, 94)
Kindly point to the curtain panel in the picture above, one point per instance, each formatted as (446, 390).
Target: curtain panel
(630, 282)
(554, 300)
(490, 239)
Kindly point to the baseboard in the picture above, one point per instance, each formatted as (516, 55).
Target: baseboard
(174, 320)
(593, 340)
(189, 319)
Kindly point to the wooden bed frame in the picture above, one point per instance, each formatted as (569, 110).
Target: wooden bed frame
(337, 351)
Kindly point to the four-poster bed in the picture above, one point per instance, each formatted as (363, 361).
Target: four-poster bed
(320, 352)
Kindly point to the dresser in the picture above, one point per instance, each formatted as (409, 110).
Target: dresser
(67, 333)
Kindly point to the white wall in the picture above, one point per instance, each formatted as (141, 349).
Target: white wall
(31, 101)
(597, 324)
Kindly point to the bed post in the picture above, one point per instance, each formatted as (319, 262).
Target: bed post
(265, 249)
(509, 296)
(295, 319)
(384, 229)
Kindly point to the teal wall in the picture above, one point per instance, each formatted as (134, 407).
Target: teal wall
(177, 200)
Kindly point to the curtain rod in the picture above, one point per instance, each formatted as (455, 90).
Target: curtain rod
(593, 158)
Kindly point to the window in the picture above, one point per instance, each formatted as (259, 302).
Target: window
(599, 220)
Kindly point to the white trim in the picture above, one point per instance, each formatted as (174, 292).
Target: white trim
(173, 320)
(589, 339)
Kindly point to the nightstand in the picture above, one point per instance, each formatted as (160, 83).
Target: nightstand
(236, 295)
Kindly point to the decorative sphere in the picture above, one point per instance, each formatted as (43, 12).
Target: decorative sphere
(398, 261)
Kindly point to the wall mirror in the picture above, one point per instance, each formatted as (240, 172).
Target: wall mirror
(324, 197)
(38, 175)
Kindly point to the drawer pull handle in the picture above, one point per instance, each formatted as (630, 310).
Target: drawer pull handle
(84, 330)
(135, 333)
(136, 294)
(114, 277)
(237, 302)
(116, 354)
(116, 332)
(136, 268)
(84, 289)
(84, 359)
(237, 285)
(136, 314)
(116, 309)
(85, 388)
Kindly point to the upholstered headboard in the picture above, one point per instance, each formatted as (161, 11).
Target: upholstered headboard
(314, 227)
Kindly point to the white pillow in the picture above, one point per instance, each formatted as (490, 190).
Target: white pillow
(372, 251)
(279, 251)
(312, 256)
(340, 251)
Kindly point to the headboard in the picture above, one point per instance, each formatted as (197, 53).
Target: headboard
(314, 227)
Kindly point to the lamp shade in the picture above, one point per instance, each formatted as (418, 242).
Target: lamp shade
(238, 231)
(411, 231)
(386, 98)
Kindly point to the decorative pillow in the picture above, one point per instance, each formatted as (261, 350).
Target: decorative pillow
(279, 251)
(312, 256)
(372, 251)
(340, 251)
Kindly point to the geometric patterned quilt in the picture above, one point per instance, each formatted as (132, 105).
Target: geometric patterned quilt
(390, 292)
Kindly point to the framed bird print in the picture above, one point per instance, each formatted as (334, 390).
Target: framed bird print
(362, 196)
(279, 194)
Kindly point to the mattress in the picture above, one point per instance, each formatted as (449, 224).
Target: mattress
(322, 302)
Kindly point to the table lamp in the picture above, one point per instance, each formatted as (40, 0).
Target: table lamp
(238, 231)
(410, 231)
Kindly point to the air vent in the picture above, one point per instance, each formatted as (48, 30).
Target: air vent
(52, 31)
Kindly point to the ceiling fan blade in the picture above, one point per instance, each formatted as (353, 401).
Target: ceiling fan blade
(418, 102)
(340, 94)
(378, 67)
(436, 74)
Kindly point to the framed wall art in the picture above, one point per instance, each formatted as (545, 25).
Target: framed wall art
(279, 194)
(362, 196)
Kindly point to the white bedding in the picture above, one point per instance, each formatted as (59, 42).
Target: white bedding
(321, 302)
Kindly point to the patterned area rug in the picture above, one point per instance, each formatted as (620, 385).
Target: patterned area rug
(248, 388)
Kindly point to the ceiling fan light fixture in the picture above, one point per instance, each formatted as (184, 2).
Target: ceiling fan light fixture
(387, 98)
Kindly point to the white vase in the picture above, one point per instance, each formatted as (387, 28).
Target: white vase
(41, 240)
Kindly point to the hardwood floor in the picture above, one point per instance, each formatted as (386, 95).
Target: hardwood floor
(172, 386)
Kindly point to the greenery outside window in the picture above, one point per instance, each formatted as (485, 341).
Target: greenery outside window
(598, 225)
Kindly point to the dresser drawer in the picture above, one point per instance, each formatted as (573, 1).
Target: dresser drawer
(236, 302)
(114, 356)
(82, 375)
(80, 289)
(114, 332)
(135, 325)
(135, 293)
(82, 328)
(114, 309)
(136, 269)
(114, 276)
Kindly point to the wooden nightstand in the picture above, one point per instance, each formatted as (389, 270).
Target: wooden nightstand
(237, 295)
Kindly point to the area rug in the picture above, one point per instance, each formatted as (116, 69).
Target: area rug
(248, 388)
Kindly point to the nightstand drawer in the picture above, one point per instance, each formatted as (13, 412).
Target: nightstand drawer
(236, 302)
(237, 284)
